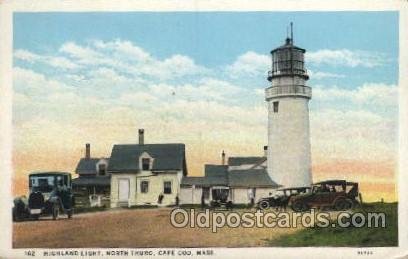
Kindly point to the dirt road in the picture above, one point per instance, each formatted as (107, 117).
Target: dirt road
(132, 229)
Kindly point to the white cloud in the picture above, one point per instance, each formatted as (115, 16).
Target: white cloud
(56, 62)
(124, 84)
(321, 75)
(353, 134)
(83, 55)
(249, 64)
(61, 62)
(346, 57)
(28, 81)
(125, 48)
(126, 57)
(368, 93)
(26, 55)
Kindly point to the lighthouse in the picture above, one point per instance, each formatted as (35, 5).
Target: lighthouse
(288, 156)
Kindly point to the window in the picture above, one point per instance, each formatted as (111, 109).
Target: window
(167, 187)
(145, 163)
(206, 193)
(275, 107)
(144, 186)
(102, 169)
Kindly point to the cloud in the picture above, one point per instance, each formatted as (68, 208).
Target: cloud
(346, 57)
(128, 58)
(249, 64)
(30, 82)
(119, 86)
(321, 75)
(353, 134)
(124, 49)
(26, 55)
(82, 55)
(369, 93)
(55, 62)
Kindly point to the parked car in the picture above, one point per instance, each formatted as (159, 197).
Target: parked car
(220, 198)
(281, 197)
(335, 194)
(49, 194)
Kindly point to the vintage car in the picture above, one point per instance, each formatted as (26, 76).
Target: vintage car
(281, 197)
(220, 197)
(333, 194)
(49, 194)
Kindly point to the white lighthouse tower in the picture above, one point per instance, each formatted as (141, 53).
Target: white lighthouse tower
(289, 158)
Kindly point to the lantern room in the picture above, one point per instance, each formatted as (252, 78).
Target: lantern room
(288, 60)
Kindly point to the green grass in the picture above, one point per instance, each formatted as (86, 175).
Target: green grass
(146, 206)
(351, 236)
(78, 210)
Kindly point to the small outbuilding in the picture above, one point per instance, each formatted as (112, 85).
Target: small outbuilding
(244, 180)
(93, 178)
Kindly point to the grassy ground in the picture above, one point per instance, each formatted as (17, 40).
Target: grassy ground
(354, 237)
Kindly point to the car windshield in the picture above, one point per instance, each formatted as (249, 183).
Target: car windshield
(42, 183)
(279, 193)
(316, 188)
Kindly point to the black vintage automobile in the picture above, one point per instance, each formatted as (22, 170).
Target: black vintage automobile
(332, 194)
(281, 197)
(220, 197)
(49, 194)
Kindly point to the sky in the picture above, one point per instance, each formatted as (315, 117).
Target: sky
(198, 78)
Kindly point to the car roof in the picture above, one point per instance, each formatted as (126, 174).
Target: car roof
(48, 173)
(332, 182)
(294, 188)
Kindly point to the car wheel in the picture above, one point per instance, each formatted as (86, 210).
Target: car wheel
(299, 206)
(55, 211)
(343, 204)
(15, 216)
(70, 212)
(263, 205)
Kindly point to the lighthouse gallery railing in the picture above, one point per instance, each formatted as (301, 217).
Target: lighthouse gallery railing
(288, 90)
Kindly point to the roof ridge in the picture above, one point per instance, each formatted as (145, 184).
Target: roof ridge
(150, 144)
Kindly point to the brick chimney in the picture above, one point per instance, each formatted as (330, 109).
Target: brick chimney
(265, 151)
(87, 151)
(223, 158)
(141, 136)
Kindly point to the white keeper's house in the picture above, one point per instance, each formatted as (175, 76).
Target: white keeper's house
(146, 174)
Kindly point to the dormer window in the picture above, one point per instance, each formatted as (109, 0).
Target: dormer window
(145, 164)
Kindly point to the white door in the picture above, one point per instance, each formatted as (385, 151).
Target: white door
(123, 190)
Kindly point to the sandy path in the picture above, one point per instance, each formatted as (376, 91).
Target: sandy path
(132, 228)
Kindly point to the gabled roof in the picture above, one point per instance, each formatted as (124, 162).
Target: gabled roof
(48, 173)
(193, 180)
(87, 166)
(216, 174)
(125, 158)
(250, 178)
(219, 175)
(245, 160)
